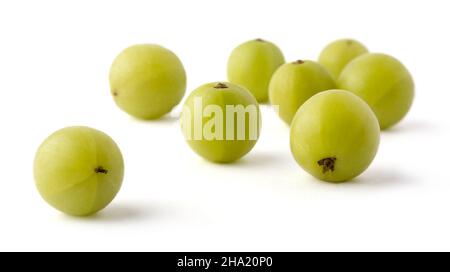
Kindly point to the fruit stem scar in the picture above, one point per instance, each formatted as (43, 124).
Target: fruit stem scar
(259, 40)
(115, 93)
(327, 164)
(100, 170)
(298, 62)
(220, 85)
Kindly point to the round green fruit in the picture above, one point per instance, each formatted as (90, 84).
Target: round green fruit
(147, 81)
(294, 83)
(78, 170)
(334, 136)
(252, 64)
(383, 82)
(338, 54)
(221, 121)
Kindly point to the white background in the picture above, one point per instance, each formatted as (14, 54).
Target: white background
(54, 64)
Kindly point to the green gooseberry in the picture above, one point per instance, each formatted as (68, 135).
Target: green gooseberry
(252, 64)
(334, 136)
(294, 83)
(336, 55)
(383, 82)
(78, 170)
(221, 121)
(147, 81)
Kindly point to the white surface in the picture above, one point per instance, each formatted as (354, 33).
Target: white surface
(54, 63)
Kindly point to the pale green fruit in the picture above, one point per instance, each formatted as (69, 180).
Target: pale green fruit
(383, 82)
(221, 121)
(78, 170)
(338, 54)
(334, 136)
(294, 83)
(252, 64)
(147, 81)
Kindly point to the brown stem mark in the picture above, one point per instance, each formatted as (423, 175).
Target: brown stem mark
(299, 62)
(327, 164)
(220, 85)
(101, 170)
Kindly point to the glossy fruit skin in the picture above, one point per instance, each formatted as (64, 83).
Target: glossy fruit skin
(78, 170)
(336, 55)
(147, 81)
(252, 64)
(334, 136)
(221, 151)
(383, 82)
(294, 83)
